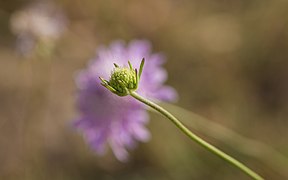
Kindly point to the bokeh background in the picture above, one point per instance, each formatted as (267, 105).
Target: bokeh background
(228, 60)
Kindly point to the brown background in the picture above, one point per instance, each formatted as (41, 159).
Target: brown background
(227, 60)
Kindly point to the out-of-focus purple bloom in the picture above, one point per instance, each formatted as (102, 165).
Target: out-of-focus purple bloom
(106, 118)
(38, 23)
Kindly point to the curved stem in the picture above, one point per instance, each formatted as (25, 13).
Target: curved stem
(250, 147)
(196, 138)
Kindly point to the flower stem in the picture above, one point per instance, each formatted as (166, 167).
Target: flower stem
(196, 138)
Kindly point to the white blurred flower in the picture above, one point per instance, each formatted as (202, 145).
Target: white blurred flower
(39, 23)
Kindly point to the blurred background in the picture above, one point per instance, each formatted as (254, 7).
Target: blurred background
(228, 60)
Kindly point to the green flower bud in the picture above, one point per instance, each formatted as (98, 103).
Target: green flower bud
(123, 80)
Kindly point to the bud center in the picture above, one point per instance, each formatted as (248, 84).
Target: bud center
(122, 78)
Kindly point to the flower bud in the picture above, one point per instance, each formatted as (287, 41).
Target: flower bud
(123, 79)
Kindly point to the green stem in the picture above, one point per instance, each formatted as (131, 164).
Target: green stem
(196, 138)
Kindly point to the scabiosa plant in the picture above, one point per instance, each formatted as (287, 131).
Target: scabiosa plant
(37, 27)
(124, 82)
(106, 119)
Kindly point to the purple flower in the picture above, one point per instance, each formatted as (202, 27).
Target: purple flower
(106, 118)
(38, 23)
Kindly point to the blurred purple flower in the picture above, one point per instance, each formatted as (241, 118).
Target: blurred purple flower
(106, 118)
(40, 22)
